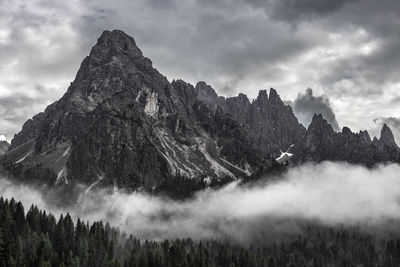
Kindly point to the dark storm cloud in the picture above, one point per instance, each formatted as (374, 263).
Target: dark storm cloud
(372, 66)
(306, 105)
(294, 10)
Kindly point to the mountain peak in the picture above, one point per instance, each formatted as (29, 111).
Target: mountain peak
(117, 39)
(243, 98)
(115, 64)
(346, 131)
(365, 136)
(262, 94)
(117, 35)
(206, 93)
(116, 43)
(318, 122)
(204, 89)
(124, 123)
(274, 98)
(317, 118)
(387, 136)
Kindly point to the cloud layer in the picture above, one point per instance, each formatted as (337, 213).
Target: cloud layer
(329, 193)
(306, 105)
(345, 49)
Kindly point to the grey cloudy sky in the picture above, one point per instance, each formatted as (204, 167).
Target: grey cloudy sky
(345, 50)
(306, 105)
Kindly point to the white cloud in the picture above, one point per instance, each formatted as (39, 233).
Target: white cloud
(329, 193)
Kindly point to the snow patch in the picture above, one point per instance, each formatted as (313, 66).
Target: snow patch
(151, 107)
(66, 152)
(62, 176)
(30, 151)
(138, 96)
(99, 178)
(22, 159)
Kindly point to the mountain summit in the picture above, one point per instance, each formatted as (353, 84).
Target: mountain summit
(387, 137)
(123, 123)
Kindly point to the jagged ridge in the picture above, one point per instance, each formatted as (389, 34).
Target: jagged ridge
(122, 123)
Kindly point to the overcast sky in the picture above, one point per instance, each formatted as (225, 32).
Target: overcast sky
(347, 51)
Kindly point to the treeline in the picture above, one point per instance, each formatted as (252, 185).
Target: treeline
(39, 239)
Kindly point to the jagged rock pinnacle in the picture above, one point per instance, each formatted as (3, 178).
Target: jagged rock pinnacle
(387, 137)
(274, 98)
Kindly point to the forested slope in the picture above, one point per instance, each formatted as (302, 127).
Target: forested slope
(39, 239)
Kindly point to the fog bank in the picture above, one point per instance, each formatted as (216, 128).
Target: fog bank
(328, 193)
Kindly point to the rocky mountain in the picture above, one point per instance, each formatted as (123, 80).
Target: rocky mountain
(323, 143)
(123, 123)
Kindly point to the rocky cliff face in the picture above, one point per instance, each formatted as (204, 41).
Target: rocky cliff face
(123, 123)
(323, 143)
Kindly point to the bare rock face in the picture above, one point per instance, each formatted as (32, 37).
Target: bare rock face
(122, 123)
(387, 137)
(320, 135)
(323, 143)
(270, 124)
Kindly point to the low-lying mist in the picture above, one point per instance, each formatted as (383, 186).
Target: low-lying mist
(331, 194)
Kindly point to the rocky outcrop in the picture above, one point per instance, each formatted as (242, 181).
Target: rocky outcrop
(271, 125)
(122, 123)
(387, 138)
(323, 143)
